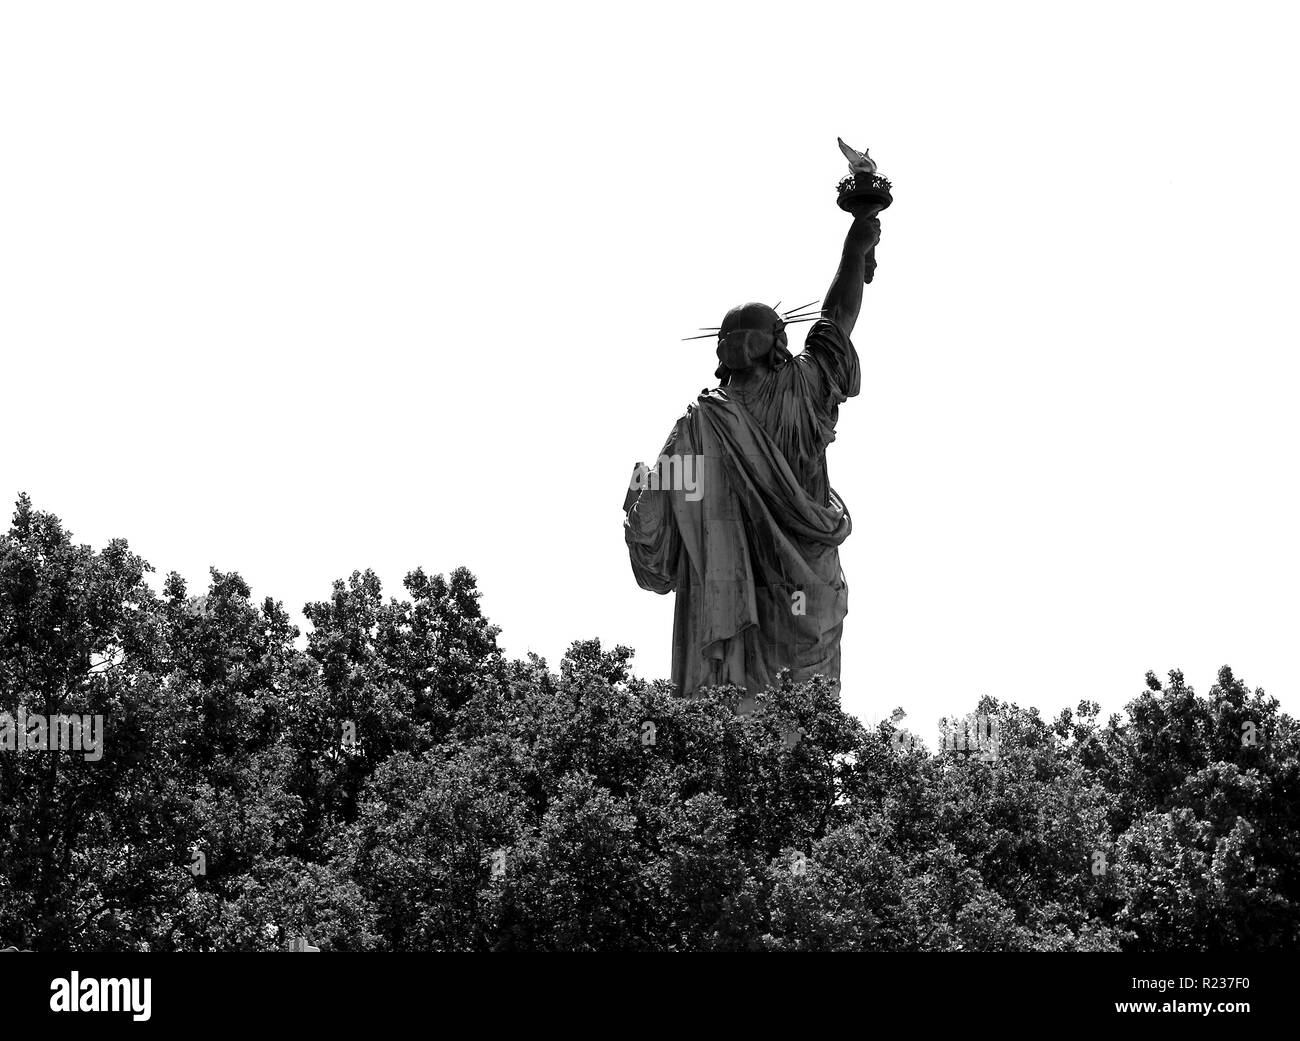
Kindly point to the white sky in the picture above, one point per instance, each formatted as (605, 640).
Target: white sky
(298, 288)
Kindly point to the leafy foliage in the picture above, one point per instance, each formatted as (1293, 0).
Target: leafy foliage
(391, 782)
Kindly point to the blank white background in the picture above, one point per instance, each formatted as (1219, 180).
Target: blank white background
(298, 288)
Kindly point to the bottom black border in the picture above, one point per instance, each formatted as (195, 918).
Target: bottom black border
(615, 991)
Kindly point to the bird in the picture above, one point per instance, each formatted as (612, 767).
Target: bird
(859, 162)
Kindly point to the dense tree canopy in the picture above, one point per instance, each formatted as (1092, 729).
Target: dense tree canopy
(389, 781)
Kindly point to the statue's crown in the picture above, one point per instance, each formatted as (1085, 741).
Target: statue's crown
(759, 316)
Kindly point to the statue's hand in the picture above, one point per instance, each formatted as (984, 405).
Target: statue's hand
(865, 232)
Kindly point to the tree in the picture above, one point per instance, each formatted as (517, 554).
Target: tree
(397, 784)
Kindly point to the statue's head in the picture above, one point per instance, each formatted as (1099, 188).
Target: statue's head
(751, 335)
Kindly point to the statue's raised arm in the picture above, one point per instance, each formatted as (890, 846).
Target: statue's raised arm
(863, 193)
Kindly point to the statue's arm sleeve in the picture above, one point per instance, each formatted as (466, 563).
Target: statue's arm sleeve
(653, 541)
(830, 362)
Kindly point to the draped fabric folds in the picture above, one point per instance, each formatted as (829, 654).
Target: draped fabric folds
(738, 519)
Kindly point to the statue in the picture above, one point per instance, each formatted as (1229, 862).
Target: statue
(737, 516)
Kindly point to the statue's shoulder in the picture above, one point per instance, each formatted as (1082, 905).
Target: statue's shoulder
(709, 398)
(689, 416)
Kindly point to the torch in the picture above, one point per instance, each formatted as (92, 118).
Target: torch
(864, 192)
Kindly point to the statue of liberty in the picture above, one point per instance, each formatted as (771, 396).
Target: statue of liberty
(737, 517)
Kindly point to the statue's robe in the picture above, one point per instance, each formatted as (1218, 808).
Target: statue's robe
(751, 548)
